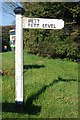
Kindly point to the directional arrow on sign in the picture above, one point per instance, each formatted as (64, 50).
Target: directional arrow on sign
(42, 23)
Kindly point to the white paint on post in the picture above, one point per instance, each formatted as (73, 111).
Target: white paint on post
(19, 60)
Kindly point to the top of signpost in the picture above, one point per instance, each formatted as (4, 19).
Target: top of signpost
(19, 10)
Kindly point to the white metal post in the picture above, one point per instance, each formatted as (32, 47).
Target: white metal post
(19, 58)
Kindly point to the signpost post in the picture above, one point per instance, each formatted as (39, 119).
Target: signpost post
(31, 23)
(19, 58)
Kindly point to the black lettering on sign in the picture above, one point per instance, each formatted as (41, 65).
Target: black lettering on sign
(37, 25)
(30, 25)
(30, 20)
(33, 25)
(34, 21)
(38, 21)
(48, 26)
(44, 25)
(53, 26)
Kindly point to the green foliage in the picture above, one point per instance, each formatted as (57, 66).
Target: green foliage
(66, 11)
(5, 40)
(5, 32)
(54, 43)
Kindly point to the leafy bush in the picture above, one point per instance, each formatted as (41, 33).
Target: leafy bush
(52, 43)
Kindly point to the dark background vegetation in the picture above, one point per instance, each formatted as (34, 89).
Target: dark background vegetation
(62, 43)
(5, 38)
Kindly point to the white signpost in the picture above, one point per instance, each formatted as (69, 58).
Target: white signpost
(19, 98)
(31, 23)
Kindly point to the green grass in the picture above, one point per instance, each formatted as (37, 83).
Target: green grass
(50, 88)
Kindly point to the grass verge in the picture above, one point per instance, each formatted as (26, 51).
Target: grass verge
(50, 87)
